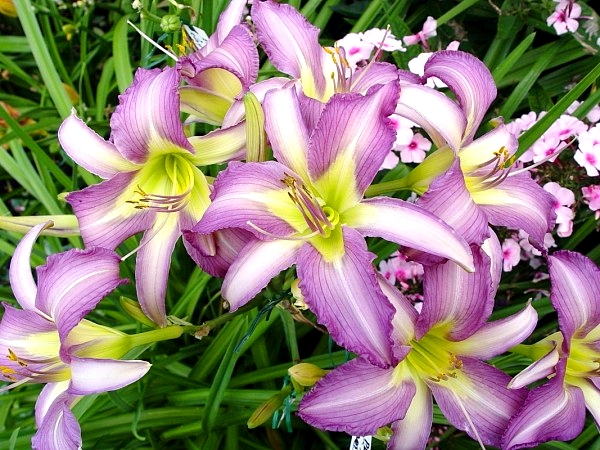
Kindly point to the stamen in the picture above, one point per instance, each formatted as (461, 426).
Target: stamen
(160, 203)
(312, 212)
(156, 44)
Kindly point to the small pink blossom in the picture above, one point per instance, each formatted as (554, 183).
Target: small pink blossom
(564, 214)
(355, 49)
(397, 269)
(383, 39)
(566, 127)
(390, 161)
(414, 152)
(547, 147)
(591, 196)
(588, 152)
(429, 30)
(511, 254)
(594, 115)
(564, 18)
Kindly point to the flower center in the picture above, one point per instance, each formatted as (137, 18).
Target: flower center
(164, 184)
(490, 173)
(583, 361)
(319, 219)
(431, 360)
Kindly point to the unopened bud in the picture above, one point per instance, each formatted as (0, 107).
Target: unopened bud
(133, 308)
(170, 23)
(306, 374)
(265, 411)
(298, 297)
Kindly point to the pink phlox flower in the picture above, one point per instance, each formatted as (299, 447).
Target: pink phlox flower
(566, 127)
(390, 161)
(549, 145)
(397, 269)
(564, 18)
(382, 38)
(594, 115)
(588, 154)
(591, 197)
(523, 123)
(529, 252)
(417, 66)
(356, 49)
(564, 214)
(429, 30)
(511, 254)
(414, 152)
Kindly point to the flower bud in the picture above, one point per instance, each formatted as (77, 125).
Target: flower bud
(170, 23)
(306, 374)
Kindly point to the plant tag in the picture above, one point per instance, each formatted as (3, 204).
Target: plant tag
(360, 443)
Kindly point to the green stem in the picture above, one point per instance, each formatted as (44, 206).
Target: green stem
(160, 334)
(452, 13)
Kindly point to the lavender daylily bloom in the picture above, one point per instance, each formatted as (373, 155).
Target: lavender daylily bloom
(222, 70)
(307, 208)
(570, 358)
(153, 184)
(292, 45)
(441, 353)
(507, 197)
(48, 341)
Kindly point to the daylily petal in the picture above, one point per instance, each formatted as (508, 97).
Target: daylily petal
(256, 265)
(93, 376)
(58, 429)
(591, 394)
(477, 401)
(204, 105)
(72, 283)
(235, 54)
(345, 297)
(357, 398)
(449, 199)
(147, 117)
(497, 337)
(48, 396)
(253, 196)
(433, 111)
(89, 150)
(292, 44)
(469, 79)
(152, 266)
(542, 368)
(375, 73)
(229, 18)
(63, 225)
(220, 145)
(519, 203)
(403, 323)
(455, 297)
(413, 431)
(21, 278)
(227, 245)
(575, 287)
(553, 411)
(408, 225)
(344, 158)
(491, 246)
(106, 218)
(486, 148)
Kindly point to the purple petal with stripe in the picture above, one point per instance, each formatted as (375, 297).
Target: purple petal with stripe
(477, 401)
(105, 217)
(257, 263)
(357, 398)
(356, 130)
(21, 278)
(409, 225)
(58, 429)
(290, 42)
(414, 430)
(148, 114)
(449, 199)
(72, 283)
(373, 74)
(552, 411)
(93, 376)
(345, 296)
(575, 292)
(525, 206)
(469, 79)
(245, 192)
(454, 296)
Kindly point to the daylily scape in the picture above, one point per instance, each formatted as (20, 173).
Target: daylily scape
(332, 187)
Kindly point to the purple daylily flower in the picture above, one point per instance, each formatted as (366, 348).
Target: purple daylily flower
(48, 341)
(506, 196)
(569, 358)
(153, 184)
(292, 45)
(440, 353)
(307, 208)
